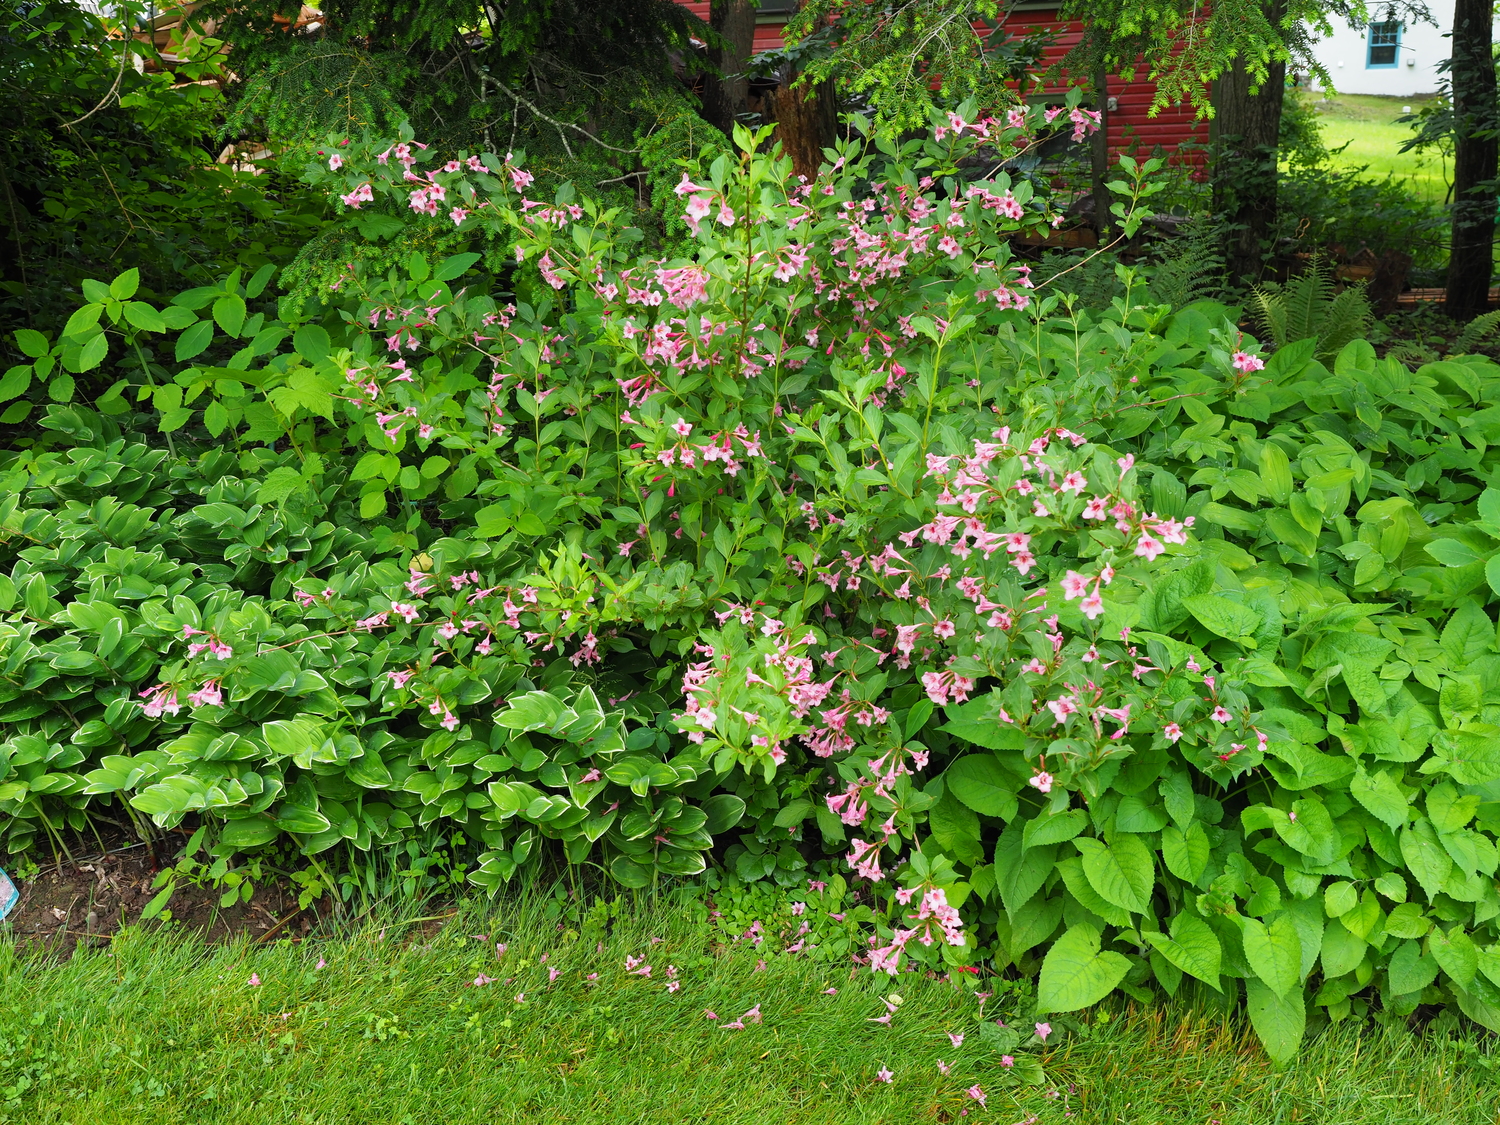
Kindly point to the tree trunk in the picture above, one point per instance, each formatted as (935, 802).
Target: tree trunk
(726, 97)
(1248, 124)
(1472, 70)
(806, 120)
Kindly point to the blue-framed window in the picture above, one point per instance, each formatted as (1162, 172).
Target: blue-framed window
(1385, 44)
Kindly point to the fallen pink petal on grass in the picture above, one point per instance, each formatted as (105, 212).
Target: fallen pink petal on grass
(957, 1040)
(884, 1075)
(978, 1095)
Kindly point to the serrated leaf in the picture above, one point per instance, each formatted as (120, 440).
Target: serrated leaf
(1279, 1020)
(15, 382)
(1122, 872)
(1455, 953)
(980, 783)
(1425, 857)
(1076, 974)
(229, 313)
(1224, 616)
(32, 343)
(125, 286)
(1185, 852)
(1192, 947)
(1274, 952)
(1380, 795)
(1409, 970)
(194, 341)
(1054, 829)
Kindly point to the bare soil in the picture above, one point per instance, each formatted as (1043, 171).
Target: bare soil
(87, 902)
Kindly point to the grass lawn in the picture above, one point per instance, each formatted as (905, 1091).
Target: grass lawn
(391, 1029)
(1368, 124)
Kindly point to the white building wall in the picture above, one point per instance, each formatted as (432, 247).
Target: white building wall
(1421, 49)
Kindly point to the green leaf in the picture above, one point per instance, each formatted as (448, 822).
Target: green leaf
(312, 343)
(1407, 921)
(125, 285)
(980, 783)
(1339, 898)
(1454, 951)
(15, 382)
(32, 343)
(1451, 552)
(229, 313)
(1468, 635)
(1224, 616)
(1279, 1020)
(1275, 472)
(144, 317)
(248, 832)
(1071, 870)
(281, 483)
(1192, 947)
(1380, 795)
(1425, 857)
(1076, 974)
(419, 270)
(1341, 950)
(724, 810)
(215, 418)
(1274, 952)
(92, 354)
(629, 873)
(194, 341)
(1054, 829)
(61, 388)
(1122, 872)
(1021, 872)
(1409, 970)
(454, 266)
(1185, 853)
(955, 827)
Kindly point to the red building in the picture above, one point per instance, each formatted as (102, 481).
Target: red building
(1130, 127)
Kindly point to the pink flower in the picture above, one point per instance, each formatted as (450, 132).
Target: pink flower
(1007, 1061)
(1043, 1030)
(1042, 782)
(1092, 606)
(943, 1068)
(1074, 482)
(1074, 585)
(322, 964)
(673, 985)
(884, 1075)
(1148, 548)
(1062, 707)
(207, 696)
(977, 1094)
(1220, 715)
(957, 1039)
(1172, 731)
(706, 1012)
(335, 162)
(254, 980)
(1245, 362)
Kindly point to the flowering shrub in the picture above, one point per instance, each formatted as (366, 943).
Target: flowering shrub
(838, 543)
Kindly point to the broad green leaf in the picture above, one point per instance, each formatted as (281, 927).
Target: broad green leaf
(1185, 853)
(15, 382)
(1122, 872)
(1076, 974)
(1341, 950)
(1425, 857)
(125, 286)
(32, 343)
(1407, 921)
(1021, 872)
(1340, 898)
(229, 313)
(1454, 951)
(1192, 947)
(1468, 635)
(980, 783)
(1224, 616)
(1279, 1020)
(1409, 970)
(1452, 552)
(1274, 952)
(194, 341)
(1054, 829)
(1380, 796)
(312, 343)
(955, 827)
(454, 266)
(144, 317)
(1071, 870)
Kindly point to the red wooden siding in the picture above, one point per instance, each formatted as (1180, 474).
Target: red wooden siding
(1131, 130)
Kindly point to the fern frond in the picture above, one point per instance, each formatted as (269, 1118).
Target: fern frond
(1480, 330)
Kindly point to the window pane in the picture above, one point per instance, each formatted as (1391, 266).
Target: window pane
(1384, 39)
